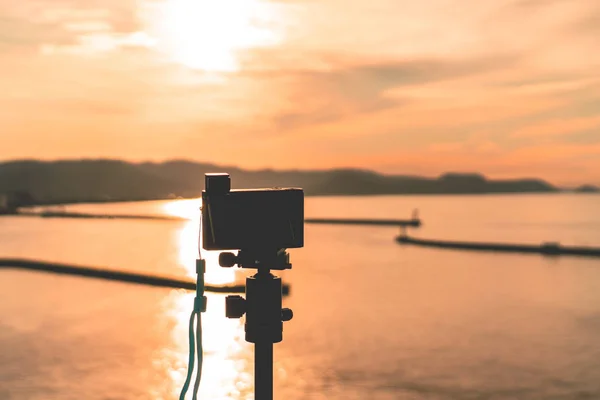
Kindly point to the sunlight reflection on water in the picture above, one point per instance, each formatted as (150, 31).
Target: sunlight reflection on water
(227, 366)
(188, 243)
(226, 373)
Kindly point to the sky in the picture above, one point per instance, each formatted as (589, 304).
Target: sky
(508, 88)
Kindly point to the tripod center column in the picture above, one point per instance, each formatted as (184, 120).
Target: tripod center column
(263, 312)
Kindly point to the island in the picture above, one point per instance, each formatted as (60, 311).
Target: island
(587, 189)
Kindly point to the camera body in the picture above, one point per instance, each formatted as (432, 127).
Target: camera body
(250, 219)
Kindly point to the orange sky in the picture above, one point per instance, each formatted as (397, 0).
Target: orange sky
(507, 88)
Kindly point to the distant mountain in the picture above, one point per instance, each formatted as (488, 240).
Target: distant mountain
(346, 182)
(113, 180)
(587, 189)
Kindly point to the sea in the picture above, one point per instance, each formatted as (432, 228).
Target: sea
(373, 319)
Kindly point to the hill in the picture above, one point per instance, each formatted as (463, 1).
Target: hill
(114, 180)
(587, 189)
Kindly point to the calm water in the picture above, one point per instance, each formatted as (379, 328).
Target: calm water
(373, 320)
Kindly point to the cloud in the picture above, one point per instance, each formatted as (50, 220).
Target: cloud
(590, 23)
(474, 145)
(19, 33)
(533, 3)
(559, 127)
(89, 107)
(64, 24)
(577, 110)
(556, 153)
(327, 96)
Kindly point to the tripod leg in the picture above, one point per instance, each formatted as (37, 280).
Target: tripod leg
(263, 370)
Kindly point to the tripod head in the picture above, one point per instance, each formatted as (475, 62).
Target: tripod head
(263, 303)
(260, 260)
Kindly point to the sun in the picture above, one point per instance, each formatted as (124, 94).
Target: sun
(208, 34)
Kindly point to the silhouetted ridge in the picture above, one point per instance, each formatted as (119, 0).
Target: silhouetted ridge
(83, 180)
(587, 189)
(364, 182)
(114, 180)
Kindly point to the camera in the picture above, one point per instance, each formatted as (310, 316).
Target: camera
(250, 219)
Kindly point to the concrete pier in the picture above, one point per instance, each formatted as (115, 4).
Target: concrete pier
(548, 249)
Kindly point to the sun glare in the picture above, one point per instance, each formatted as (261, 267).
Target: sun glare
(208, 34)
(187, 238)
(226, 373)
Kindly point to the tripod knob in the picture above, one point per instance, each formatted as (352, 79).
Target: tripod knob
(286, 314)
(227, 260)
(235, 306)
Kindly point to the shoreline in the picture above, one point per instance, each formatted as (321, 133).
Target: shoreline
(67, 202)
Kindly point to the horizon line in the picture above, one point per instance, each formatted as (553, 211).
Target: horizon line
(271, 169)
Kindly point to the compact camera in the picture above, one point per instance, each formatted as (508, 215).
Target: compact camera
(250, 219)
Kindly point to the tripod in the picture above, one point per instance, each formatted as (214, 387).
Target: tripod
(263, 309)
